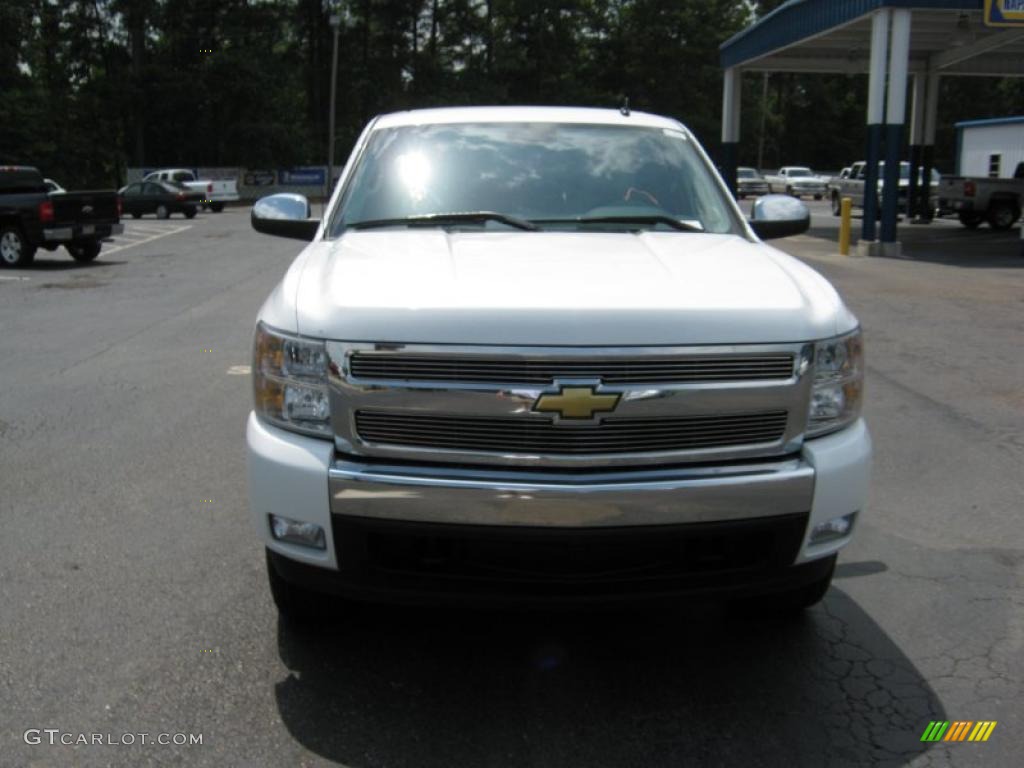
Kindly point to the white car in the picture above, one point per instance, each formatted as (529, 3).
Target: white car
(538, 354)
(215, 193)
(797, 181)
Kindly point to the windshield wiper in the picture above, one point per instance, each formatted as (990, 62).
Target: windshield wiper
(433, 219)
(649, 219)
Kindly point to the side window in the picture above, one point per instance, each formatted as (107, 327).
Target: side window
(133, 189)
(183, 176)
(152, 189)
(859, 171)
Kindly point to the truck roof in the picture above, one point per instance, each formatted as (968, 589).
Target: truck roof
(524, 115)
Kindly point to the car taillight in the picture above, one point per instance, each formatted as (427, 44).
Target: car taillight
(45, 211)
(209, 189)
(180, 196)
(969, 188)
(120, 207)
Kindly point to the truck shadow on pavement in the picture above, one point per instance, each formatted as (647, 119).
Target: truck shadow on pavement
(951, 246)
(697, 686)
(59, 264)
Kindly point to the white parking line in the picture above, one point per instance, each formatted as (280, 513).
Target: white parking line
(163, 232)
(13, 277)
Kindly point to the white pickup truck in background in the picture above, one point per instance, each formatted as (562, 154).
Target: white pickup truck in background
(216, 193)
(797, 181)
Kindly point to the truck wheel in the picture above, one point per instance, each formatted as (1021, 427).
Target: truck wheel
(837, 206)
(190, 213)
(299, 606)
(216, 207)
(15, 250)
(789, 191)
(162, 212)
(1001, 216)
(971, 220)
(84, 252)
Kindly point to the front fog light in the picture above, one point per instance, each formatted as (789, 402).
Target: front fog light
(295, 532)
(836, 528)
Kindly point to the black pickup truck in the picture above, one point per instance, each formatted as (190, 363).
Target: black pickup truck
(32, 218)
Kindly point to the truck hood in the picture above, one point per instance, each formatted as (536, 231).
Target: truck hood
(536, 288)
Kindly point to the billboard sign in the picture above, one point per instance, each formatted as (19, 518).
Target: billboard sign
(1004, 13)
(307, 176)
(256, 178)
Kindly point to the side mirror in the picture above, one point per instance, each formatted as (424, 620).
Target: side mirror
(284, 215)
(774, 216)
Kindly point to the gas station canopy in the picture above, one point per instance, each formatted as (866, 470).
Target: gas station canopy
(947, 36)
(893, 42)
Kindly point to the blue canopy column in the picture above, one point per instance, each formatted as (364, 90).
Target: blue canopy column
(730, 126)
(931, 111)
(876, 114)
(895, 112)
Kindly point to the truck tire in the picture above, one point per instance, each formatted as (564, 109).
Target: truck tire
(84, 252)
(789, 191)
(971, 220)
(216, 207)
(163, 212)
(15, 250)
(1002, 215)
(297, 605)
(190, 213)
(837, 204)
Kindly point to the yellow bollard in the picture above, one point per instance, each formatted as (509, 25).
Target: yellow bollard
(844, 226)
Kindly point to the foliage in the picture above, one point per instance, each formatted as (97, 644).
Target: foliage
(90, 87)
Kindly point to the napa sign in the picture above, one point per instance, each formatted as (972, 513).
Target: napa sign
(1004, 13)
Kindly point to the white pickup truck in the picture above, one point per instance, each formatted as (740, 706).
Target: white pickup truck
(538, 354)
(797, 180)
(216, 193)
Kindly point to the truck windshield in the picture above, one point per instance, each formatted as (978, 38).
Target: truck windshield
(795, 172)
(553, 175)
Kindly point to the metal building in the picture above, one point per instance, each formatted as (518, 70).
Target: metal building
(990, 148)
(893, 42)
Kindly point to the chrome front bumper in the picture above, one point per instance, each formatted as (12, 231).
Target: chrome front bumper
(305, 479)
(436, 494)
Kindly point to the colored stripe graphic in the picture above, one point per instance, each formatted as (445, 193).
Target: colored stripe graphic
(958, 730)
(935, 730)
(982, 730)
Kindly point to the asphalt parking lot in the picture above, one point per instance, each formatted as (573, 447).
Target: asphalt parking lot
(135, 599)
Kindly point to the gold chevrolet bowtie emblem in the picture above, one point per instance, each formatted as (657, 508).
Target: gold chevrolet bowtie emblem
(576, 403)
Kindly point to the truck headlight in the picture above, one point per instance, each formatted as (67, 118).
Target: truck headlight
(838, 388)
(289, 378)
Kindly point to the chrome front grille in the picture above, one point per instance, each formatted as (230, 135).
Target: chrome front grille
(535, 436)
(544, 370)
(467, 404)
